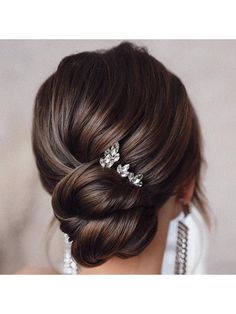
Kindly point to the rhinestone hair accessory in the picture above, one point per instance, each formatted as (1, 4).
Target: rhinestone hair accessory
(111, 155)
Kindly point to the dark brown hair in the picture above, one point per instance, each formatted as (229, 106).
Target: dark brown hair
(93, 100)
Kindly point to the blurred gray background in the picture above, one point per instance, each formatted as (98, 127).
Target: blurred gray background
(208, 70)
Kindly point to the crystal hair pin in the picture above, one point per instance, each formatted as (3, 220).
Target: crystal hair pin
(111, 155)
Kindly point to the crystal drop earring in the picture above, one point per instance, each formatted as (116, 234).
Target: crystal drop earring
(69, 265)
(182, 243)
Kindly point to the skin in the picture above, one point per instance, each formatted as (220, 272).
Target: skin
(149, 261)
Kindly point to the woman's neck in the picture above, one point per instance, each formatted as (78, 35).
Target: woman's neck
(149, 261)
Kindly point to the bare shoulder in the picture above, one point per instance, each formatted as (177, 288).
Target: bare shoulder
(34, 270)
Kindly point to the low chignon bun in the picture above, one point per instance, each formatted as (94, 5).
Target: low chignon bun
(102, 214)
(93, 100)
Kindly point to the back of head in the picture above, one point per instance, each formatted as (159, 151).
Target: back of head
(93, 100)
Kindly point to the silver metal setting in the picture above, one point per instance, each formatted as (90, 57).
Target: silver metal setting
(181, 249)
(182, 241)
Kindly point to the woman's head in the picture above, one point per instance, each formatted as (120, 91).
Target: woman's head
(93, 100)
